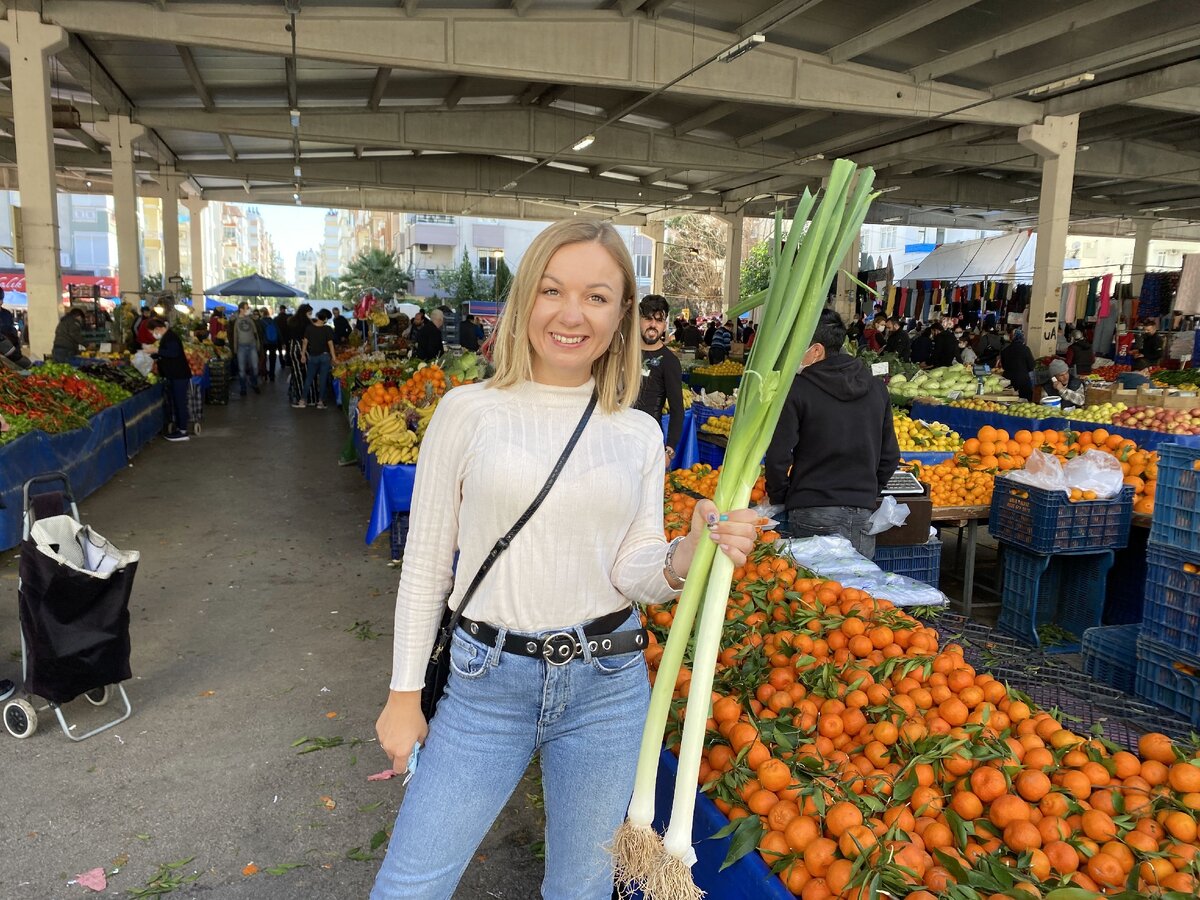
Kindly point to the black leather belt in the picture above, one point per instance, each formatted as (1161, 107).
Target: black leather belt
(560, 648)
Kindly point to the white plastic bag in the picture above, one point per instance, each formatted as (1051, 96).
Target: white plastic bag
(889, 515)
(143, 362)
(1095, 471)
(833, 557)
(1042, 470)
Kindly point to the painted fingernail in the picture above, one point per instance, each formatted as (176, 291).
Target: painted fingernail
(712, 519)
(724, 518)
(716, 537)
(725, 548)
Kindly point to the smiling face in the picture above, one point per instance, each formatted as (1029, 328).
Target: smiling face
(576, 313)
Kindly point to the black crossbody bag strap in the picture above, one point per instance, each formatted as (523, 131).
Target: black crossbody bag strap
(502, 544)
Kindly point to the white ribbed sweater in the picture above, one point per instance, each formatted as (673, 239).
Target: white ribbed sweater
(595, 544)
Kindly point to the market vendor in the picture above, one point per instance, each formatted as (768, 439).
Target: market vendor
(835, 435)
(1057, 381)
(662, 375)
(68, 336)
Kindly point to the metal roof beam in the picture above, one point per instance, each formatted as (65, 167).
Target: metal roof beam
(705, 117)
(378, 87)
(1075, 18)
(897, 27)
(660, 175)
(1181, 100)
(193, 73)
(456, 92)
(293, 90)
(594, 49)
(774, 16)
(1127, 90)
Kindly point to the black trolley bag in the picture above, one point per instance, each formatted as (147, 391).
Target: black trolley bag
(73, 597)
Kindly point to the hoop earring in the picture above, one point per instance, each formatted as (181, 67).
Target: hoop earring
(612, 345)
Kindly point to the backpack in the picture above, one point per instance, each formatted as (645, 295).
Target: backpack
(271, 332)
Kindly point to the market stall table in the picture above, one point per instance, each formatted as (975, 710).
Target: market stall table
(971, 517)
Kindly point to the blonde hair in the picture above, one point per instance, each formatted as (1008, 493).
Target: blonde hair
(618, 371)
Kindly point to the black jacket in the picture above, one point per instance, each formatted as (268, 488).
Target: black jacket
(172, 361)
(1017, 362)
(899, 344)
(922, 347)
(945, 350)
(429, 342)
(989, 348)
(836, 436)
(1081, 355)
(1152, 347)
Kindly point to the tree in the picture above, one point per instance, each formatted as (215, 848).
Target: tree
(694, 263)
(324, 288)
(153, 284)
(459, 283)
(374, 270)
(503, 282)
(756, 269)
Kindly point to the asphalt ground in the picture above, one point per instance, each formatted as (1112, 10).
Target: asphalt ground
(260, 619)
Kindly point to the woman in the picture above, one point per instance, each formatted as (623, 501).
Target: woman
(570, 329)
(174, 370)
(296, 327)
(1017, 363)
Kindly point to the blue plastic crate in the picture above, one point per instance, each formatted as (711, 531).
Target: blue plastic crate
(1127, 581)
(1048, 522)
(1110, 655)
(1171, 613)
(1176, 520)
(1066, 590)
(709, 453)
(702, 413)
(1169, 678)
(920, 562)
(926, 457)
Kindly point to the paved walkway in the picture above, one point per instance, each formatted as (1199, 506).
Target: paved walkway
(254, 576)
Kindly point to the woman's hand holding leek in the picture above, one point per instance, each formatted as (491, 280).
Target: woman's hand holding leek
(735, 534)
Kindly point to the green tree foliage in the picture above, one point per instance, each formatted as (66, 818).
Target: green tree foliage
(461, 283)
(153, 284)
(756, 269)
(373, 270)
(502, 282)
(324, 288)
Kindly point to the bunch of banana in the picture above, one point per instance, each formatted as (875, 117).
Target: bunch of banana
(375, 415)
(424, 414)
(391, 441)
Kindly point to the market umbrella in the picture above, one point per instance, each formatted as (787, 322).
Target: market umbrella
(211, 303)
(255, 285)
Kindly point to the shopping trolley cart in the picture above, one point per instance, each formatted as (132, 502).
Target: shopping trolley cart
(73, 590)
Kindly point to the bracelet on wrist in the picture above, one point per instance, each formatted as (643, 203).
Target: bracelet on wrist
(674, 579)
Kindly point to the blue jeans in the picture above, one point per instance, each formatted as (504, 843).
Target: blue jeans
(584, 719)
(318, 371)
(247, 363)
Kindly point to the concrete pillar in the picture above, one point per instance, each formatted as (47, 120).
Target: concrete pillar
(170, 181)
(846, 290)
(195, 206)
(121, 133)
(30, 43)
(1143, 227)
(657, 232)
(733, 259)
(1054, 140)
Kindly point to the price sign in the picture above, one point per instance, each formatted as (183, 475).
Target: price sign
(880, 368)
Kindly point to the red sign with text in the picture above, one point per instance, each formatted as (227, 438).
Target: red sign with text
(109, 285)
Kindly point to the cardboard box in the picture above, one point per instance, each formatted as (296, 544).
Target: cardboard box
(913, 531)
(1163, 398)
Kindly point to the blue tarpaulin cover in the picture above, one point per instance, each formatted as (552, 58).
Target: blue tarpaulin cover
(143, 414)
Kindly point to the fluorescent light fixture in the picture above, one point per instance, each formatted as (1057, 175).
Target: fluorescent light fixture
(1062, 84)
(509, 186)
(808, 159)
(1024, 199)
(742, 47)
(682, 198)
(891, 219)
(87, 184)
(888, 190)
(1154, 209)
(296, 170)
(584, 142)
(295, 117)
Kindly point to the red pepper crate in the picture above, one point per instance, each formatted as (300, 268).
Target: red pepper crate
(1043, 521)
(1176, 519)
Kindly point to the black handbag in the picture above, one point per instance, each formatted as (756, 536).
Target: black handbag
(437, 670)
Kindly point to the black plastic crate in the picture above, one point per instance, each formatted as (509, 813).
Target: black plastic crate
(920, 562)
(1065, 590)
(1171, 612)
(1169, 678)
(1110, 655)
(1048, 522)
(1127, 581)
(1176, 519)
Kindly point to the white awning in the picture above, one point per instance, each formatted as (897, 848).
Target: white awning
(994, 258)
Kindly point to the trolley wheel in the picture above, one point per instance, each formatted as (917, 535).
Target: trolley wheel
(195, 429)
(20, 718)
(98, 696)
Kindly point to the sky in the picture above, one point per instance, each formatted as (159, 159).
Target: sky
(293, 229)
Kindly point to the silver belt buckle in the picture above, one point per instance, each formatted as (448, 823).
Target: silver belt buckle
(559, 648)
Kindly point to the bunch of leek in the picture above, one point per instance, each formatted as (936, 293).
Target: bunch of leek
(801, 271)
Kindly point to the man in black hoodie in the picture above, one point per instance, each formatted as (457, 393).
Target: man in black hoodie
(836, 436)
